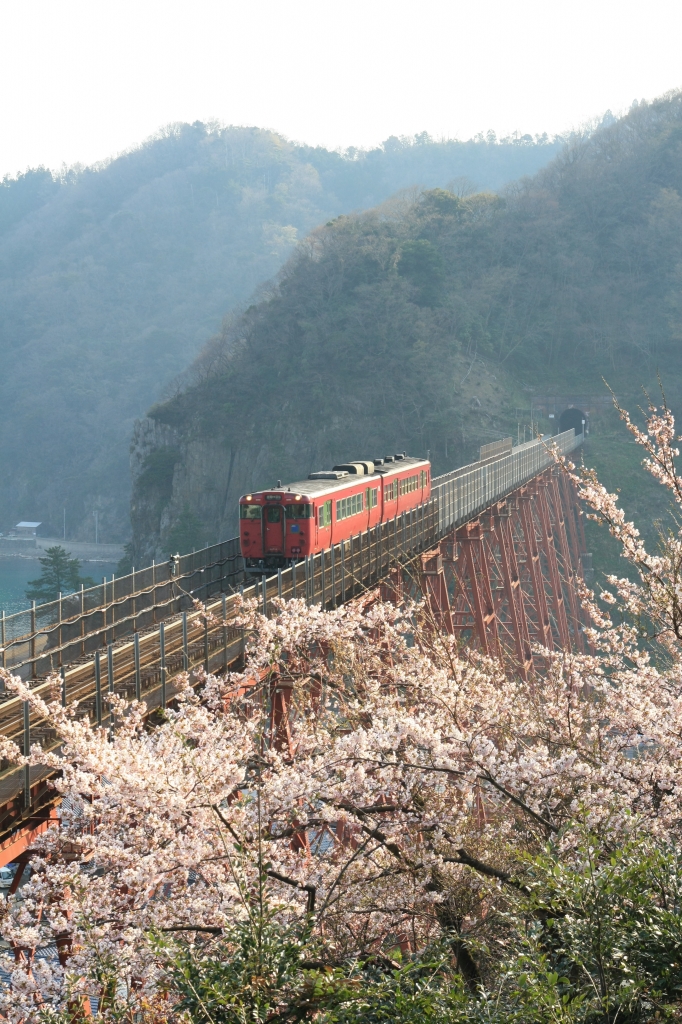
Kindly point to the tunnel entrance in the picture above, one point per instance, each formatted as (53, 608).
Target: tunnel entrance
(573, 418)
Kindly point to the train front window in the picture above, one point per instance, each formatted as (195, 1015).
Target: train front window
(273, 514)
(299, 511)
(250, 511)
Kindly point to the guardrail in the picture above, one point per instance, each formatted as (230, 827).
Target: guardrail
(145, 664)
(466, 491)
(45, 637)
(39, 640)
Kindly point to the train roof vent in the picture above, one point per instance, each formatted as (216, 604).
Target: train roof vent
(399, 456)
(378, 462)
(390, 458)
(369, 467)
(328, 474)
(356, 468)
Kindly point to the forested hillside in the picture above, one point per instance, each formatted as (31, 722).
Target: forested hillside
(425, 324)
(113, 278)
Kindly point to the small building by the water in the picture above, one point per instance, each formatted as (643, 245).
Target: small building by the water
(25, 529)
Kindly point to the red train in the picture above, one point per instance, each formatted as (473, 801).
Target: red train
(283, 524)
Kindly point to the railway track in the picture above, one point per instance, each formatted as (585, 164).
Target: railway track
(146, 663)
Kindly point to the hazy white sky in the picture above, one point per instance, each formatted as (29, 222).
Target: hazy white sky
(84, 79)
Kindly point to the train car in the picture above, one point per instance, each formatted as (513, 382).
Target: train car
(284, 524)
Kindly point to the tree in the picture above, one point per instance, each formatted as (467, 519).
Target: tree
(60, 575)
(422, 264)
(366, 785)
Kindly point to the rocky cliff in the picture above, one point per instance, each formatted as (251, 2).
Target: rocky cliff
(198, 479)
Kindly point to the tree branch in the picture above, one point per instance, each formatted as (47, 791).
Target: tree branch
(211, 929)
(310, 889)
(486, 869)
(517, 800)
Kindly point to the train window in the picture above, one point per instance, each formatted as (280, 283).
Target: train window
(350, 506)
(250, 511)
(324, 514)
(422, 476)
(372, 494)
(409, 485)
(391, 491)
(299, 511)
(273, 513)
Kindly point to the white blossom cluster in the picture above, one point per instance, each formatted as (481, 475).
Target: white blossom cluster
(372, 774)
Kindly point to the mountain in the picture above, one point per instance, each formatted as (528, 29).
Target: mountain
(112, 278)
(427, 324)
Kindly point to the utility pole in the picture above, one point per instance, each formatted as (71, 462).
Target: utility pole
(64, 524)
(96, 515)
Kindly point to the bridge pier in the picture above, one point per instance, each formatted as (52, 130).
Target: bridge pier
(474, 610)
(435, 589)
(508, 579)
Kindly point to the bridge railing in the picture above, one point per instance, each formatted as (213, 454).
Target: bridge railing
(46, 636)
(466, 491)
(41, 639)
(145, 664)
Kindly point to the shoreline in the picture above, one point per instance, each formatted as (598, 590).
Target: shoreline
(34, 557)
(84, 551)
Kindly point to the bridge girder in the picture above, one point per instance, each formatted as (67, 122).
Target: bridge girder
(508, 581)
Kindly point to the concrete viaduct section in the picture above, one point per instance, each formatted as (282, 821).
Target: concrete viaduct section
(497, 548)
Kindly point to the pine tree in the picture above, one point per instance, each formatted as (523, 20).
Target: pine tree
(61, 574)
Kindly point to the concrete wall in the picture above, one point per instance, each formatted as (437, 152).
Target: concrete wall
(17, 545)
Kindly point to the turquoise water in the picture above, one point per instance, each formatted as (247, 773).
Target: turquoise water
(16, 571)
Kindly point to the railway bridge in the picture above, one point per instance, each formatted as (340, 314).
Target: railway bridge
(497, 552)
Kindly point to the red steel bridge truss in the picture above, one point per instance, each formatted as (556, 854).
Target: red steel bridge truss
(508, 581)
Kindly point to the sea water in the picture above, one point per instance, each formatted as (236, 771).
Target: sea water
(17, 570)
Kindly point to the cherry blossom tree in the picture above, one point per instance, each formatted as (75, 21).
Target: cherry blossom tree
(363, 778)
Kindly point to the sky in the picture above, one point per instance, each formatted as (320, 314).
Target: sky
(82, 80)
